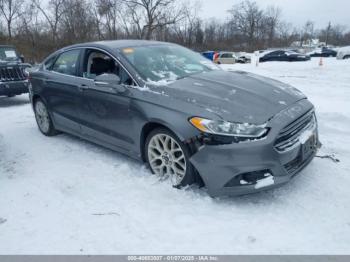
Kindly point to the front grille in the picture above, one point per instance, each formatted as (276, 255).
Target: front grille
(289, 136)
(296, 164)
(12, 74)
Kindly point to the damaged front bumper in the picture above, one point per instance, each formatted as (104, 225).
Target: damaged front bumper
(249, 167)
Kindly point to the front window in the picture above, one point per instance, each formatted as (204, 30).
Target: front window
(8, 53)
(167, 62)
(97, 63)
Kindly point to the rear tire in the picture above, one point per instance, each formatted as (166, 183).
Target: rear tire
(168, 158)
(43, 118)
(347, 57)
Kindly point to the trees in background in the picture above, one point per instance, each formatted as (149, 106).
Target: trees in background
(39, 27)
(149, 16)
(10, 10)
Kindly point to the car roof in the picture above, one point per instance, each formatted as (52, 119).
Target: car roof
(119, 44)
(7, 46)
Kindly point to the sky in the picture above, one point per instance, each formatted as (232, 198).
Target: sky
(296, 12)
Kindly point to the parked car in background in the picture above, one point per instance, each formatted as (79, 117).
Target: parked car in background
(225, 58)
(282, 55)
(188, 119)
(13, 74)
(344, 52)
(323, 52)
(243, 58)
(211, 55)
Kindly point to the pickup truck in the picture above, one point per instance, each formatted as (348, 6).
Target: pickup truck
(13, 72)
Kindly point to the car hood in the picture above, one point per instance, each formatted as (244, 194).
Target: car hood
(12, 63)
(234, 96)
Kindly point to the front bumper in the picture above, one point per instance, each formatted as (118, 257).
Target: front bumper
(11, 88)
(224, 168)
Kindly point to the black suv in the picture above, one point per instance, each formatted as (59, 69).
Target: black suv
(13, 75)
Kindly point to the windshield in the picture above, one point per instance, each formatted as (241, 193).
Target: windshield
(167, 62)
(8, 53)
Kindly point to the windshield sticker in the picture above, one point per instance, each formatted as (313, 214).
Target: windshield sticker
(10, 54)
(128, 50)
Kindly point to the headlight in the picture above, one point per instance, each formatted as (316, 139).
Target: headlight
(220, 127)
(26, 72)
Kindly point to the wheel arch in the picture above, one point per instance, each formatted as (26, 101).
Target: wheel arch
(148, 128)
(35, 97)
(152, 125)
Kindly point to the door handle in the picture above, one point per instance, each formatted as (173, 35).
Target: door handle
(83, 87)
(100, 83)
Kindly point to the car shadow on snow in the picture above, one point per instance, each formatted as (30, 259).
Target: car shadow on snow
(13, 101)
(75, 143)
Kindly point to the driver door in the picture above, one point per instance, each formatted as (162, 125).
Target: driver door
(105, 114)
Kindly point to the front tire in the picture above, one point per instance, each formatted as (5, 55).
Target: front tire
(168, 158)
(43, 118)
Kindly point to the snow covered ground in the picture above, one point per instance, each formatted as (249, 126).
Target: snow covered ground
(62, 195)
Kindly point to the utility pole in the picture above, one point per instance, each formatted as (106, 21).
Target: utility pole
(327, 32)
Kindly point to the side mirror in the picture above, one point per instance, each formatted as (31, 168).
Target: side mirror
(21, 57)
(109, 80)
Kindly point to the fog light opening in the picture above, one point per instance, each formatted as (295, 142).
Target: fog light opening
(251, 178)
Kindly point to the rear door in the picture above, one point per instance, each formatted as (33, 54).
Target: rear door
(61, 92)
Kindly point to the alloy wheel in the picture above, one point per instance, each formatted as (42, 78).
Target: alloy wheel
(42, 117)
(166, 158)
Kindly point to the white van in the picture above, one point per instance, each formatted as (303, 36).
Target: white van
(343, 52)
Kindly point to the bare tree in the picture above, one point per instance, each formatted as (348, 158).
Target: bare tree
(77, 22)
(187, 29)
(10, 10)
(246, 17)
(53, 14)
(28, 29)
(150, 15)
(109, 11)
(271, 22)
(307, 33)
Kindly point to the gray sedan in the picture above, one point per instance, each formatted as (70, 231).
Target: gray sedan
(190, 121)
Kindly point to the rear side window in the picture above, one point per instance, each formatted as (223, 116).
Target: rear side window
(273, 53)
(67, 63)
(226, 55)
